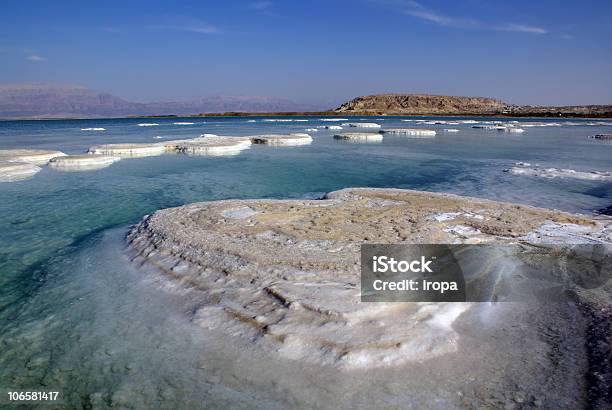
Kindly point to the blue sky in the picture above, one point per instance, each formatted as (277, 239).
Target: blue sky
(525, 52)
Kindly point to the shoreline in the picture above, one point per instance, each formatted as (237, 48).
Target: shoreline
(315, 113)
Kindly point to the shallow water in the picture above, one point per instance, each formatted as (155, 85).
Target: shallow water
(63, 282)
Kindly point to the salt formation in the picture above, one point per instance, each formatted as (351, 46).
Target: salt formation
(93, 129)
(128, 150)
(148, 124)
(359, 136)
(284, 274)
(85, 162)
(30, 156)
(214, 146)
(361, 125)
(183, 123)
(282, 139)
(415, 132)
(11, 171)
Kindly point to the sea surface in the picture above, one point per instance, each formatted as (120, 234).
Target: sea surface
(75, 316)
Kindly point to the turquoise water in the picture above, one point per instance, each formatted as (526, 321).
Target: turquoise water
(61, 233)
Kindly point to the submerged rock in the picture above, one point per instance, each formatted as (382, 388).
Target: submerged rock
(85, 162)
(282, 139)
(284, 274)
(523, 168)
(601, 136)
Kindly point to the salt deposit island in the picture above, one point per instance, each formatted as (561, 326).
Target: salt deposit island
(20, 164)
(281, 277)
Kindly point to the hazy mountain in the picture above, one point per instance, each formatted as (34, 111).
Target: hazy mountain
(48, 101)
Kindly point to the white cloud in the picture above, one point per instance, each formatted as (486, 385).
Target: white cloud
(521, 28)
(416, 9)
(36, 58)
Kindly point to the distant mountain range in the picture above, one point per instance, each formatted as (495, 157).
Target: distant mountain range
(48, 101)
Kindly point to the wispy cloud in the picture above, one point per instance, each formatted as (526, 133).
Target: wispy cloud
(186, 24)
(260, 5)
(36, 58)
(265, 8)
(521, 28)
(416, 9)
(194, 28)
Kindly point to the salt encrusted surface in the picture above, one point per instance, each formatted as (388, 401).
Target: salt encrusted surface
(85, 162)
(213, 145)
(412, 132)
(359, 136)
(11, 171)
(284, 274)
(30, 156)
(20, 164)
(128, 150)
(282, 139)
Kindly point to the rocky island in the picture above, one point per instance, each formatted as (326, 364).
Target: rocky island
(425, 104)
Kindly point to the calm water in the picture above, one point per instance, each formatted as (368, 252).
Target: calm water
(67, 296)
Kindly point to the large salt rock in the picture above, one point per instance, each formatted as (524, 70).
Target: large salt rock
(282, 139)
(128, 150)
(413, 132)
(85, 162)
(31, 156)
(359, 136)
(285, 274)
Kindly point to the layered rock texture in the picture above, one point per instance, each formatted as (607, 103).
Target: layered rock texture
(283, 275)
